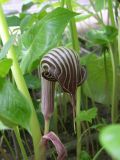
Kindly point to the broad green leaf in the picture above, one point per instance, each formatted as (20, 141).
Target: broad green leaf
(103, 36)
(13, 21)
(14, 108)
(87, 115)
(27, 22)
(110, 140)
(32, 81)
(98, 85)
(6, 47)
(5, 65)
(30, 19)
(99, 4)
(3, 127)
(43, 36)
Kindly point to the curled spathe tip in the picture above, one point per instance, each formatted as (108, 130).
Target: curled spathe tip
(60, 148)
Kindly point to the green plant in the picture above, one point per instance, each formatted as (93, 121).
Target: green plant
(41, 44)
(33, 41)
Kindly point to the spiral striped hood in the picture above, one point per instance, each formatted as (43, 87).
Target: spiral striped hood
(62, 64)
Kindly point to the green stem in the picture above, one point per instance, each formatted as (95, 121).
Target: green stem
(119, 41)
(20, 82)
(16, 130)
(47, 124)
(62, 3)
(78, 123)
(73, 29)
(55, 117)
(91, 13)
(43, 146)
(110, 9)
(9, 146)
(26, 142)
(114, 109)
(98, 153)
(76, 46)
(97, 15)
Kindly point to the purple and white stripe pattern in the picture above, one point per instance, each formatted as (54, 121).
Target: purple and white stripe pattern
(62, 64)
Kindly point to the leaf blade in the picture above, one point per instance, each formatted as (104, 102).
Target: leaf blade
(44, 36)
(14, 108)
(5, 65)
(110, 140)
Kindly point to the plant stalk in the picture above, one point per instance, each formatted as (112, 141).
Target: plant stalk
(21, 85)
(43, 145)
(114, 110)
(110, 9)
(17, 134)
(9, 146)
(47, 124)
(76, 47)
(98, 153)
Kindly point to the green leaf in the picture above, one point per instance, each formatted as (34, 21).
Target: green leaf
(27, 22)
(27, 6)
(87, 115)
(82, 17)
(30, 19)
(103, 36)
(99, 4)
(32, 81)
(6, 47)
(43, 36)
(5, 65)
(14, 108)
(13, 21)
(110, 140)
(98, 85)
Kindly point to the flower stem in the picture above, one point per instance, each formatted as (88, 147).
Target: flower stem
(20, 82)
(47, 124)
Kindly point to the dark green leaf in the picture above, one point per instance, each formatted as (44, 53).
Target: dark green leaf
(87, 115)
(5, 65)
(7, 46)
(14, 108)
(27, 6)
(13, 21)
(110, 140)
(44, 36)
(103, 36)
(32, 81)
